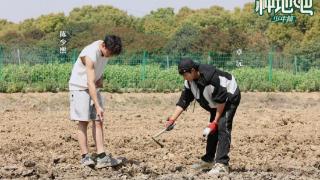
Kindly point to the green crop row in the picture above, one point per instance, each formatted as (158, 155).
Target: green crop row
(123, 78)
(252, 79)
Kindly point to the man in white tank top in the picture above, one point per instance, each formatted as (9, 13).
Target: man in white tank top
(86, 102)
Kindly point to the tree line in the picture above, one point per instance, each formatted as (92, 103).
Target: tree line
(212, 29)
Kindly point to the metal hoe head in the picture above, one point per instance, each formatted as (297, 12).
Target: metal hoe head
(161, 145)
(161, 132)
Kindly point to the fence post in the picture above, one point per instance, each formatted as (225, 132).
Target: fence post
(74, 56)
(143, 67)
(295, 70)
(19, 57)
(1, 61)
(270, 65)
(168, 65)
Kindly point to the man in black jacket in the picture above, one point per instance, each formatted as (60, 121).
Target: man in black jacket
(218, 93)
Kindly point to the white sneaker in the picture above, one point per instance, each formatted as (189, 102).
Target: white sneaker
(202, 165)
(87, 161)
(219, 168)
(107, 161)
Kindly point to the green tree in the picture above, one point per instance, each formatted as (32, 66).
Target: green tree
(183, 41)
(6, 26)
(159, 22)
(183, 13)
(4, 23)
(50, 23)
(311, 40)
(106, 15)
(213, 39)
(214, 16)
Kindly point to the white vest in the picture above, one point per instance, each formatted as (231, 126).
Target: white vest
(79, 79)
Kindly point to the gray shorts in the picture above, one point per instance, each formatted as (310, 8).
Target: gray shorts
(82, 107)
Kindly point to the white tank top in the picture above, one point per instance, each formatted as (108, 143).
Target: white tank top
(79, 79)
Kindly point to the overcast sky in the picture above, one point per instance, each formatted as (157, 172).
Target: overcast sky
(19, 10)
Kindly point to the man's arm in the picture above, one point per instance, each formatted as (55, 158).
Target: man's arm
(213, 126)
(186, 97)
(220, 108)
(184, 101)
(219, 96)
(176, 113)
(91, 85)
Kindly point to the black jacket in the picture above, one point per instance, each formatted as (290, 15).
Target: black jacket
(214, 86)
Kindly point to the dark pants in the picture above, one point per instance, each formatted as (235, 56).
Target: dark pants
(218, 144)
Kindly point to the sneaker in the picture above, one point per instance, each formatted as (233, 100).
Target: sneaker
(202, 165)
(219, 168)
(87, 161)
(107, 161)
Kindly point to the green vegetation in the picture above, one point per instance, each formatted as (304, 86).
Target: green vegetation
(125, 78)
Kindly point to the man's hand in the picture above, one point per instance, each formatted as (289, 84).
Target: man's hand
(169, 124)
(99, 83)
(99, 112)
(212, 128)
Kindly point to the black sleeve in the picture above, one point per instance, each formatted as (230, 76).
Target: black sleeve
(186, 98)
(220, 93)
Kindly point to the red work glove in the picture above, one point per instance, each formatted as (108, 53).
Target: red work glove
(212, 128)
(169, 124)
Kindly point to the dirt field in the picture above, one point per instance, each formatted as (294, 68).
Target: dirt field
(275, 136)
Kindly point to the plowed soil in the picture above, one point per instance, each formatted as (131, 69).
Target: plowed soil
(274, 136)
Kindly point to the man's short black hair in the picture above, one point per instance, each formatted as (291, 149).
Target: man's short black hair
(186, 64)
(113, 43)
